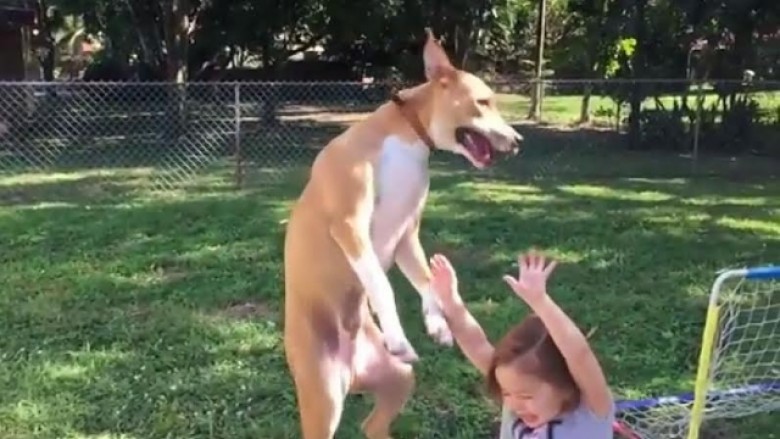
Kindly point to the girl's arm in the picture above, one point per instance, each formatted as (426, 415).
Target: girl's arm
(583, 364)
(531, 286)
(469, 335)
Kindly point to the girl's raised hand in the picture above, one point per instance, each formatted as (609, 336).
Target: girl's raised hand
(444, 281)
(531, 282)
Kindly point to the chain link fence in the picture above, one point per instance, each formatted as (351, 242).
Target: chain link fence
(247, 134)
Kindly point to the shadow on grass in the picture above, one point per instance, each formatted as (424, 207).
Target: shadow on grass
(581, 152)
(75, 188)
(122, 327)
(120, 321)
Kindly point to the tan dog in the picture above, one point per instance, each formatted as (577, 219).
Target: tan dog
(358, 214)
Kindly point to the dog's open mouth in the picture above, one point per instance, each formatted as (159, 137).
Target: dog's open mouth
(477, 145)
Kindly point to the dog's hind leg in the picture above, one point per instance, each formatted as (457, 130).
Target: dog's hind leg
(320, 387)
(390, 397)
(320, 402)
(389, 379)
(321, 376)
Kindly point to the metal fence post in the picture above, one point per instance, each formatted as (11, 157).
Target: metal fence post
(239, 172)
(697, 127)
(540, 99)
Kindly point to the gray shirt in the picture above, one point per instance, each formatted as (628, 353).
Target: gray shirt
(577, 424)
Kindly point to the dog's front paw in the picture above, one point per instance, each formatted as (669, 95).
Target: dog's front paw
(437, 328)
(401, 348)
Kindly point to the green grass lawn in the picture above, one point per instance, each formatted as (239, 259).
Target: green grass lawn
(132, 314)
(565, 109)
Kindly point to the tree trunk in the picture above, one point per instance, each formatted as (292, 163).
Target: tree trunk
(47, 40)
(586, 93)
(536, 94)
(176, 39)
(637, 92)
(585, 106)
(176, 26)
(462, 44)
(146, 53)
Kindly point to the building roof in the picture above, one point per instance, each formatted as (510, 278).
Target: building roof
(18, 4)
(16, 13)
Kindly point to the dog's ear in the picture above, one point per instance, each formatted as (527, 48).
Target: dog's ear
(437, 63)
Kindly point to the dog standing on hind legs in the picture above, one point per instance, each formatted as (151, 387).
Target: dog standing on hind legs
(357, 215)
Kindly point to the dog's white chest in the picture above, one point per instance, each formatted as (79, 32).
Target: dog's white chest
(401, 183)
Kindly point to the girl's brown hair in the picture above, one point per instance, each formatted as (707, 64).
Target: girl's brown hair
(529, 347)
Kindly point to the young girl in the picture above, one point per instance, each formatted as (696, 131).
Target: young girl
(543, 371)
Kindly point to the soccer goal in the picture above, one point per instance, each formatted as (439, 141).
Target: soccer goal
(738, 374)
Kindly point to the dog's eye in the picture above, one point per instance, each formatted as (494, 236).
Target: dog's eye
(483, 102)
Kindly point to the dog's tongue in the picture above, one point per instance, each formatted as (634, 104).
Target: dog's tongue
(478, 146)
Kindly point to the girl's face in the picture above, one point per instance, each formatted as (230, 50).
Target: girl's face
(534, 401)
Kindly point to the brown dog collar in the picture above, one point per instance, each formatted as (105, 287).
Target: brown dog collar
(413, 120)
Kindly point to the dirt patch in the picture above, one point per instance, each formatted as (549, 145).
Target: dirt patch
(248, 311)
(342, 115)
(292, 110)
(461, 255)
(343, 118)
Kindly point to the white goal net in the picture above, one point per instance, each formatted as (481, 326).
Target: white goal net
(739, 364)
